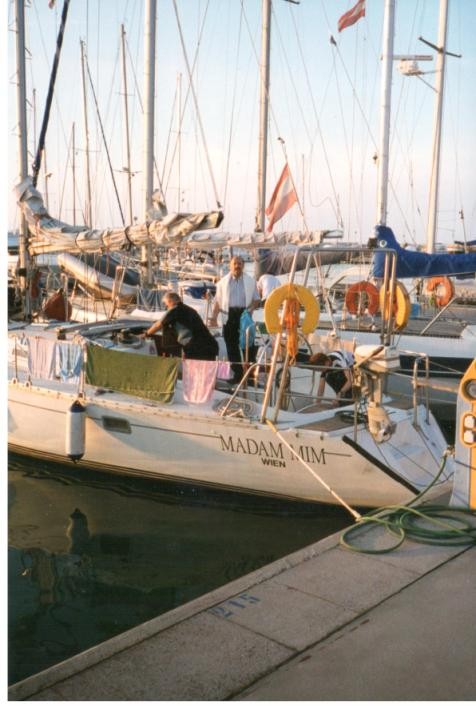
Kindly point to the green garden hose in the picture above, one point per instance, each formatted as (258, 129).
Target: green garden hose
(429, 524)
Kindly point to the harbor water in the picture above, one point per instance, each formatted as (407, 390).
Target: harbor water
(92, 555)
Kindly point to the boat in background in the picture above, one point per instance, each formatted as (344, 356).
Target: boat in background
(102, 275)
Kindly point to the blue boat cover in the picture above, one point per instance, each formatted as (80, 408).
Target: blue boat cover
(419, 264)
(199, 291)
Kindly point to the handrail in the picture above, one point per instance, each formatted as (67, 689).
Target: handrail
(437, 316)
(416, 385)
(389, 285)
(239, 386)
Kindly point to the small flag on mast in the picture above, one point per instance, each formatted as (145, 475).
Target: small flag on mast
(284, 196)
(350, 17)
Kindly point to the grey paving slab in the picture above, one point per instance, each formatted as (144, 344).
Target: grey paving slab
(354, 581)
(203, 658)
(285, 614)
(420, 644)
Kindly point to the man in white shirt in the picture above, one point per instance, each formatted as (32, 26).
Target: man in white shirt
(235, 292)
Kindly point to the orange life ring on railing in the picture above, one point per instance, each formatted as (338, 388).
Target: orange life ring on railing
(443, 288)
(401, 305)
(291, 292)
(361, 296)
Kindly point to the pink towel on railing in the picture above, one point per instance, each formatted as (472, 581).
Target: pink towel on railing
(198, 380)
(41, 357)
(224, 371)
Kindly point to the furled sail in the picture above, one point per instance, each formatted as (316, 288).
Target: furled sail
(256, 240)
(49, 235)
(419, 264)
(280, 262)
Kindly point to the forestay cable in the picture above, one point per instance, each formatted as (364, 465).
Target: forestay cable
(356, 515)
(200, 124)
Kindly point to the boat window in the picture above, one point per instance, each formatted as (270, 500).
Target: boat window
(116, 424)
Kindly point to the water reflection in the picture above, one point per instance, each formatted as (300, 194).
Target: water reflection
(91, 555)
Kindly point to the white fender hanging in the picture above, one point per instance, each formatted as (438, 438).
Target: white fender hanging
(75, 431)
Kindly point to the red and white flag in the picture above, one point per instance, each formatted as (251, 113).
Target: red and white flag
(350, 17)
(284, 196)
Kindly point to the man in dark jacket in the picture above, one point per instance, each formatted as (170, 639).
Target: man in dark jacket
(191, 334)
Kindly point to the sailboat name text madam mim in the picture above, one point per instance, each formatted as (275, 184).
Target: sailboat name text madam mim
(273, 454)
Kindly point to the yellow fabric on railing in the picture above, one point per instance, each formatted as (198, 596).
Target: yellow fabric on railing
(141, 375)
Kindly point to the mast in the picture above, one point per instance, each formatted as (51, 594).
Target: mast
(88, 209)
(34, 117)
(386, 94)
(179, 140)
(264, 105)
(437, 125)
(73, 170)
(149, 93)
(46, 176)
(49, 97)
(23, 259)
(126, 120)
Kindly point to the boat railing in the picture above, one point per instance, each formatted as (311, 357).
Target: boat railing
(438, 315)
(418, 386)
(241, 387)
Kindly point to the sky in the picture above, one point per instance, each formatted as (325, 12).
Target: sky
(324, 107)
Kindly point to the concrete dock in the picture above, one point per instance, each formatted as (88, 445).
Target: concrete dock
(323, 623)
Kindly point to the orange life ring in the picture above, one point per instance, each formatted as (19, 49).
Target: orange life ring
(401, 305)
(443, 288)
(291, 292)
(361, 296)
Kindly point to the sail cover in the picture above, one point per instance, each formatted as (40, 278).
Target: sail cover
(280, 261)
(49, 235)
(419, 264)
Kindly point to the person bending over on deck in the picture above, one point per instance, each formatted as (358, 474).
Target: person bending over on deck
(236, 292)
(192, 335)
(336, 373)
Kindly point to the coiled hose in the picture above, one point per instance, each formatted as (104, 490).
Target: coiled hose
(429, 524)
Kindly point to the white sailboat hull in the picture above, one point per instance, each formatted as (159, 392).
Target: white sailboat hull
(130, 436)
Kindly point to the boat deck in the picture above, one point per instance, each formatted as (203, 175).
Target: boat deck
(321, 624)
(442, 328)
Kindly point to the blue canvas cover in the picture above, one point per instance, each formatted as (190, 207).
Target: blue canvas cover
(419, 264)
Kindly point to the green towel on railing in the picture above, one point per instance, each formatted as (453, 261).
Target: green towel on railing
(132, 373)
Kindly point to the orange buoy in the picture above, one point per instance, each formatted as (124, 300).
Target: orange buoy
(362, 296)
(443, 288)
